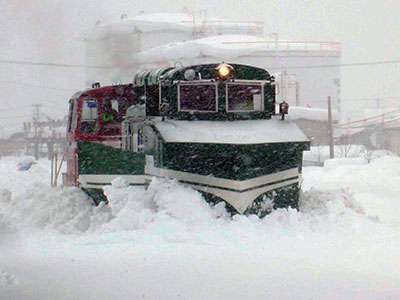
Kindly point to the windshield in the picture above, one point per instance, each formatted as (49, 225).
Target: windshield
(198, 97)
(244, 97)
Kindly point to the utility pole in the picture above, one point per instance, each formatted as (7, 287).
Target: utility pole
(330, 129)
(36, 125)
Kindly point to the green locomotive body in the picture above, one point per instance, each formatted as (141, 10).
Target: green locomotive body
(212, 127)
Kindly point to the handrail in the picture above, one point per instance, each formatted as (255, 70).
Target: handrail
(227, 21)
(323, 45)
(55, 169)
(207, 26)
(282, 42)
(258, 23)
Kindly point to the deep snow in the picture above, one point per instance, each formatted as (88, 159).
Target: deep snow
(167, 243)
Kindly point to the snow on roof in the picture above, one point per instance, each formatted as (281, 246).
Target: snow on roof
(175, 21)
(143, 23)
(171, 21)
(210, 46)
(317, 114)
(229, 46)
(227, 132)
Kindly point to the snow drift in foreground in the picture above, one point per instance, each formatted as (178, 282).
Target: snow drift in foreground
(167, 243)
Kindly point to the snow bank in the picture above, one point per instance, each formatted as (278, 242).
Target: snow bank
(318, 114)
(27, 159)
(166, 204)
(7, 279)
(167, 243)
(333, 163)
(381, 176)
(36, 206)
(317, 155)
(135, 207)
(28, 203)
(66, 210)
(374, 185)
(330, 202)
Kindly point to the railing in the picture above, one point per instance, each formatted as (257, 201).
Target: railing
(223, 26)
(55, 169)
(217, 27)
(302, 45)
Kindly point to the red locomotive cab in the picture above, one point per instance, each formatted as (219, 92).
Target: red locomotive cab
(94, 116)
(70, 177)
(99, 115)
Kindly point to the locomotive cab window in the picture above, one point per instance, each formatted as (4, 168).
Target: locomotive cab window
(110, 111)
(137, 139)
(200, 97)
(88, 124)
(244, 96)
(72, 115)
(113, 111)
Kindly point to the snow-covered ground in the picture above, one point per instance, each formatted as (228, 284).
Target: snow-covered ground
(317, 155)
(167, 243)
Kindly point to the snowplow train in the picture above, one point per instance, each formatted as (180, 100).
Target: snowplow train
(213, 127)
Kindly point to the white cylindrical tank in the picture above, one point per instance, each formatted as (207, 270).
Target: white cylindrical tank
(152, 41)
(112, 48)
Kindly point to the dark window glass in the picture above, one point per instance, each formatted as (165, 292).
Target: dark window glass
(245, 97)
(71, 109)
(113, 111)
(198, 97)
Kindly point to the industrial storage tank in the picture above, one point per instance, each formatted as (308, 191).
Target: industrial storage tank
(125, 47)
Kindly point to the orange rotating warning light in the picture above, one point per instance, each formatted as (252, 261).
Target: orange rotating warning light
(224, 70)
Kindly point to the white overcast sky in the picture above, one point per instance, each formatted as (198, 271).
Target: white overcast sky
(49, 31)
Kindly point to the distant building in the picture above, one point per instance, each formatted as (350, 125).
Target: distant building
(15, 145)
(379, 129)
(45, 138)
(390, 138)
(314, 123)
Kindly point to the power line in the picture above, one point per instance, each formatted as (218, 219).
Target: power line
(368, 119)
(13, 117)
(14, 108)
(341, 65)
(372, 98)
(27, 106)
(397, 111)
(9, 125)
(38, 86)
(321, 100)
(53, 106)
(361, 99)
(48, 64)
(372, 124)
(390, 121)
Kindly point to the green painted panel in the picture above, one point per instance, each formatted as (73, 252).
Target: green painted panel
(237, 162)
(97, 195)
(284, 197)
(96, 158)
